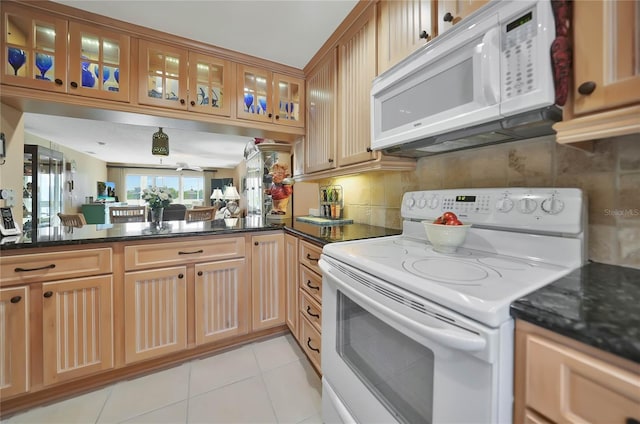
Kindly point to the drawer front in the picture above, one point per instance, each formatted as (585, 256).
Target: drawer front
(311, 310)
(175, 253)
(310, 340)
(311, 283)
(569, 386)
(309, 255)
(54, 266)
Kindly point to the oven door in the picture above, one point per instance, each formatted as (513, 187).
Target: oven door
(390, 356)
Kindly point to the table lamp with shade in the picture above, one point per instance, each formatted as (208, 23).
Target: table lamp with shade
(232, 196)
(217, 198)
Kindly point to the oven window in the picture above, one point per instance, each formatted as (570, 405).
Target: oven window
(395, 368)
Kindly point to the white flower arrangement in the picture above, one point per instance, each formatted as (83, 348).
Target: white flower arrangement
(156, 197)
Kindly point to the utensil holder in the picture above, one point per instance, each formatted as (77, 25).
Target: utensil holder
(331, 201)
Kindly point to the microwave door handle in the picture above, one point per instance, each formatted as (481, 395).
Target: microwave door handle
(452, 339)
(490, 66)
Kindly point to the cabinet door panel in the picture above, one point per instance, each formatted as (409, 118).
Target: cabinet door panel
(34, 50)
(255, 94)
(163, 76)
(77, 328)
(458, 10)
(267, 281)
(222, 300)
(289, 100)
(320, 143)
(155, 313)
(210, 84)
(357, 61)
(14, 341)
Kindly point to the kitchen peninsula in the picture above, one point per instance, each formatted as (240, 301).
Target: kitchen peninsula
(92, 305)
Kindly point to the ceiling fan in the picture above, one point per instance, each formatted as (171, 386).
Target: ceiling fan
(185, 166)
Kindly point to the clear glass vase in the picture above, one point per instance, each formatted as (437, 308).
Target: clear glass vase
(156, 216)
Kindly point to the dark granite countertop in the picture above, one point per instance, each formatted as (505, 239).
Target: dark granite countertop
(596, 304)
(107, 233)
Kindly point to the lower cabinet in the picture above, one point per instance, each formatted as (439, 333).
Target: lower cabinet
(221, 300)
(268, 281)
(14, 341)
(559, 380)
(291, 282)
(155, 312)
(77, 317)
(310, 301)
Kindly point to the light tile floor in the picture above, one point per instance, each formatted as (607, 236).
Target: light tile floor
(269, 381)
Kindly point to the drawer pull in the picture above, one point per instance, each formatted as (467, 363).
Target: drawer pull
(48, 294)
(190, 253)
(16, 299)
(50, 266)
(311, 347)
(312, 287)
(309, 257)
(310, 313)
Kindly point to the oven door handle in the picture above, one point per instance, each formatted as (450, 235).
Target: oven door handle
(449, 338)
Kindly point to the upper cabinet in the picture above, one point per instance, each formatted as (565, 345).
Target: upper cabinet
(605, 96)
(356, 71)
(403, 27)
(43, 52)
(450, 12)
(180, 79)
(266, 96)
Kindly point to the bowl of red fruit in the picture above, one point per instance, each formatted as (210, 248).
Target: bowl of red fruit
(446, 233)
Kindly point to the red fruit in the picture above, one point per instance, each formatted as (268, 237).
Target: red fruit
(439, 220)
(453, 222)
(448, 216)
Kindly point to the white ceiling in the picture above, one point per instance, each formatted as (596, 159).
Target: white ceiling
(284, 31)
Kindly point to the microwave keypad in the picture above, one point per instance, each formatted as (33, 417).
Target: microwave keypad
(518, 47)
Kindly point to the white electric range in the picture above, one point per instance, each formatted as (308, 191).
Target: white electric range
(413, 335)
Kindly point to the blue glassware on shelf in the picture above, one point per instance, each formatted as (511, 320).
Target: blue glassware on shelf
(16, 59)
(263, 105)
(116, 75)
(88, 80)
(214, 100)
(248, 101)
(105, 73)
(291, 111)
(44, 62)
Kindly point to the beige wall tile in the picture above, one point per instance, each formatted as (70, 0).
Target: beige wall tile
(629, 195)
(629, 244)
(530, 163)
(571, 160)
(429, 173)
(629, 152)
(602, 243)
(379, 185)
(488, 170)
(393, 218)
(600, 189)
(378, 216)
(456, 170)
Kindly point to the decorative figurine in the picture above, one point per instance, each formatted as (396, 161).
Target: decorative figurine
(281, 188)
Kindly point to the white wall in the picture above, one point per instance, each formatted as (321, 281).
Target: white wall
(12, 125)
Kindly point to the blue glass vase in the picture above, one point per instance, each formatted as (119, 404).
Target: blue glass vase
(248, 101)
(88, 80)
(16, 59)
(44, 62)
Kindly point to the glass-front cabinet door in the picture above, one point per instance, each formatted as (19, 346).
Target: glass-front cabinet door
(255, 95)
(34, 49)
(163, 75)
(98, 63)
(289, 97)
(210, 82)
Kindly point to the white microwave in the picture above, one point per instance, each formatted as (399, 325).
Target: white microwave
(487, 80)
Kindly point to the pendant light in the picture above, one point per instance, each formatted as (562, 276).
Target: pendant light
(160, 143)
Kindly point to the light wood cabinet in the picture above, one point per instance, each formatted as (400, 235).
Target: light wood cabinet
(221, 300)
(155, 310)
(211, 84)
(310, 301)
(291, 282)
(14, 341)
(356, 70)
(310, 340)
(53, 54)
(561, 380)
(403, 27)
(321, 138)
(605, 100)
(451, 12)
(266, 96)
(77, 318)
(268, 281)
(163, 75)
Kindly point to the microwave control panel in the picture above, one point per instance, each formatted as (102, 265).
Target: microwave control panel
(518, 52)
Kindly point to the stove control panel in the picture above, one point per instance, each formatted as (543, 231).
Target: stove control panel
(536, 209)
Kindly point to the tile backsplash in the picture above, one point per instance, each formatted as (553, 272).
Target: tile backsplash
(609, 174)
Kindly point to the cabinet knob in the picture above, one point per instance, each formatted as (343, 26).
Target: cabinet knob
(193, 103)
(48, 294)
(58, 81)
(255, 243)
(448, 17)
(181, 101)
(587, 88)
(330, 160)
(16, 299)
(423, 35)
(200, 273)
(369, 150)
(270, 115)
(181, 276)
(277, 117)
(74, 84)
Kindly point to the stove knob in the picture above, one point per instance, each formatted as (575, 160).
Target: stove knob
(410, 202)
(504, 205)
(552, 205)
(527, 205)
(433, 202)
(422, 203)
